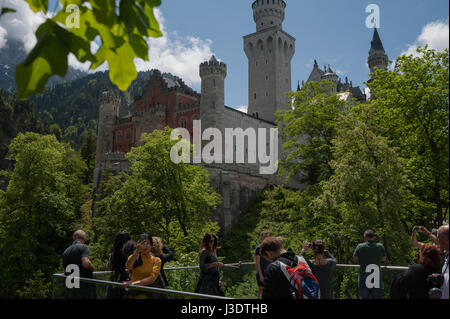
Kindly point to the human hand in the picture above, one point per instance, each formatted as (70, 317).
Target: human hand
(423, 230)
(261, 278)
(219, 264)
(126, 283)
(306, 246)
(220, 283)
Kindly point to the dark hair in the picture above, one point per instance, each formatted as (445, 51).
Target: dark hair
(270, 244)
(430, 256)
(369, 234)
(142, 237)
(205, 242)
(118, 258)
(128, 248)
(318, 246)
(145, 237)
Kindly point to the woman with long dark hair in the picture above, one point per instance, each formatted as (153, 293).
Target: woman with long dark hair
(116, 263)
(209, 282)
(144, 267)
(415, 283)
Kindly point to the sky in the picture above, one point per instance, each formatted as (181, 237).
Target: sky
(332, 32)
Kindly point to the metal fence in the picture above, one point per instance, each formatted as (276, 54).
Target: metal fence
(237, 282)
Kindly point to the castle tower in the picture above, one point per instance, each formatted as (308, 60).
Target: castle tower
(377, 56)
(108, 112)
(269, 52)
(212, 101)
(331, 76)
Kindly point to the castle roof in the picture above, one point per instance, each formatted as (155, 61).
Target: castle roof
(376, 43)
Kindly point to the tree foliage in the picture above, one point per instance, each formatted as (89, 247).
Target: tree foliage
(413, 104)
(38, 208)
(308, 130)
(118, 28)
(158, 197)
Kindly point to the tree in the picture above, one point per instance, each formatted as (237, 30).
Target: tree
(88, 149)
(38, 208)
(118, 28)
(159, 197)
(413, 103)
(369, 188)
(308, 130)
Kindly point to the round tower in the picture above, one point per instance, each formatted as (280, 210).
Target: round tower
(212, 98)
(268, 13)
(331, 76)
(108, 112)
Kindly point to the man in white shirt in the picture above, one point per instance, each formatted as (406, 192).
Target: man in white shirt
(443, 244)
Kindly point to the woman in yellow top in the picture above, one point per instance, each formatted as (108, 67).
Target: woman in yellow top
(144, 267)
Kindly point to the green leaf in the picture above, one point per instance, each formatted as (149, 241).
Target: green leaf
(7, 10)
(38, 5)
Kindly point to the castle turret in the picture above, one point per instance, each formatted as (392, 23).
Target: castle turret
(212, 100)
(108, 112)
(269, 52)
(331, 76)
(268, 13)
(377, 56)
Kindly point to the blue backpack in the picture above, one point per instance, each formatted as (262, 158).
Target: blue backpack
(304, 285)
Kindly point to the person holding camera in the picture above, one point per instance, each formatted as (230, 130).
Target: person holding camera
(423, 230)
(144, 267)
(322, 266)
(422, 280)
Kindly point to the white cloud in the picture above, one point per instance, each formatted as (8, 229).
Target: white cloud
(21, 24)
(178, 55)
(3, 34)
(435, 34)
(241, 108)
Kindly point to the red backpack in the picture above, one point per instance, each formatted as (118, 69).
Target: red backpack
(304, 285)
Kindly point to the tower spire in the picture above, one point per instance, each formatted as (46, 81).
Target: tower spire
(377, 56)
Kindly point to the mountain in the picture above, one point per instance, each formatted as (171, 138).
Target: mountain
(12, 54)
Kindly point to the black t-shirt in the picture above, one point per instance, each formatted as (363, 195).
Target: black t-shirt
(73, 255)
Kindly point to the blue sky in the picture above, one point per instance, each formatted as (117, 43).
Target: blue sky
(333, 32)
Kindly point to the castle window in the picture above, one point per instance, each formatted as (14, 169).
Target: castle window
(255, 96)
(118, 136)
(183, 123)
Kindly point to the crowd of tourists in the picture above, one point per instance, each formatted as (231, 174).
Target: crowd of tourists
(280, 274)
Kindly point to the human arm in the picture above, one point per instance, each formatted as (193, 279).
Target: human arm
(414, 241)
(425, 231)
(205, 262)
(330, 258)
(258, 265)
(87, 264)
(270, 290)
(133, 257)
(355, 257)
(85, 261)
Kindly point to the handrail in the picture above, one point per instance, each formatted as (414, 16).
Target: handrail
(144, 288)
(235, 265)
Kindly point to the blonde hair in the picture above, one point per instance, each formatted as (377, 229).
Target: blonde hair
(157, 246)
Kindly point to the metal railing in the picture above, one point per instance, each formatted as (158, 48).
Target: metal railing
(237, 277)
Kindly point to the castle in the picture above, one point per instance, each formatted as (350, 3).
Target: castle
(167, 101)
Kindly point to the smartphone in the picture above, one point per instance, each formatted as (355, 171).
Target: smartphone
(143, 237)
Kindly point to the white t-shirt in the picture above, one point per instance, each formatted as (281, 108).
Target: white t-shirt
(444, 287)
